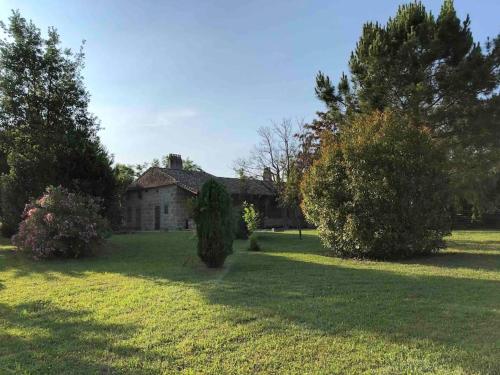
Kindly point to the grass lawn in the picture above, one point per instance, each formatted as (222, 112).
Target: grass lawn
(147, 305)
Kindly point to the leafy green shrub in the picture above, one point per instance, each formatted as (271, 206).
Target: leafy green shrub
(240, 226)
(214, 224)
(251, 217)
(60, 224)
(378, 190)
(254, 245)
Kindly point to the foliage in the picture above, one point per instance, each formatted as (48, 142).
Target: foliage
(251, 217)
(214, 224)
(378, 190)
(60, 224)
(47, 135)
(101, 310)
(291, 196)
(254, 245)
(124, 175)
(189, 165)
(240, 226)
(430, 70)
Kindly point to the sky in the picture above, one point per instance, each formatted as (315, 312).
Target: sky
(198, 78)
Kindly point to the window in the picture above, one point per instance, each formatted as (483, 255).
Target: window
(165, 208)
(129, 215)
(139, 194)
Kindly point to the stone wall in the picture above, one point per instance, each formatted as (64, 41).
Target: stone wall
(172, 202)
(175, 210)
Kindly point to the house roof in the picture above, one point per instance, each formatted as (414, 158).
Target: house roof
(194, 180)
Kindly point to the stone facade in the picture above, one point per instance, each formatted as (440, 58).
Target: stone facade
(160, 198)
(162, 208)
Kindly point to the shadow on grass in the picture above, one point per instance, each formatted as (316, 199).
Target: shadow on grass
(477, 261)
(478, 255)
(455, 319)
(49, 339)
(473, 245)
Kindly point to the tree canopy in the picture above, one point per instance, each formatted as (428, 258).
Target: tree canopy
(430, 70)
(378, 190)
(47, 134)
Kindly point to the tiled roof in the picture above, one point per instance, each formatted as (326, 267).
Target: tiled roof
(247, 186)
(193, 181)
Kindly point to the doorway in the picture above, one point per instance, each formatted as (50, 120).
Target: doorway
(157, 217)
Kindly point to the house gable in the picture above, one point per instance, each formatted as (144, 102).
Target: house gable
(153, 177)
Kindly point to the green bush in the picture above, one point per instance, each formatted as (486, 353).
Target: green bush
(214, 224)
(378, 190)
(254, 245)
(251, 217)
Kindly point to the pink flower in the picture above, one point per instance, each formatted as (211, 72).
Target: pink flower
(49, 217)
(42, 200)
(32, 211)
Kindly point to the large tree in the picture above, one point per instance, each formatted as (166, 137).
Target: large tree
(47, 134)
(378, 190)
(430, 70)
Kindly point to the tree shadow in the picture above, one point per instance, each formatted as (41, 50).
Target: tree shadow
(479, 255)
(484, 245)
(478, 261)
(456, 318)
(42, 338)
(145, 256)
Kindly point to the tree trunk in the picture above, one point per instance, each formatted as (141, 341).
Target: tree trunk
(297, 221)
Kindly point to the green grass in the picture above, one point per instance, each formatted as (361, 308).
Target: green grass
(146, 305)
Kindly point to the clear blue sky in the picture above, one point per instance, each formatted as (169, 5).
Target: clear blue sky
(199, 78)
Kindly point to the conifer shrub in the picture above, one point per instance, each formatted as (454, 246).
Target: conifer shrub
(60, 224)
(213, 215)
(378, 190)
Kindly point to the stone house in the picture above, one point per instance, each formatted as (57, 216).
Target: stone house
(160, 199)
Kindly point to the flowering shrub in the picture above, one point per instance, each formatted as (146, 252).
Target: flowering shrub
(60, 224)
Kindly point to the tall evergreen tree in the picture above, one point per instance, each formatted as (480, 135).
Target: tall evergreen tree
(432, 71)
(47, 134)
(214, 224)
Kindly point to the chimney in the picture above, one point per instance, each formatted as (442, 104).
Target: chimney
(174, 161)
(267, 175)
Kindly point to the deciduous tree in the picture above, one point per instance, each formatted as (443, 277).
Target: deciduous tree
(47, 134)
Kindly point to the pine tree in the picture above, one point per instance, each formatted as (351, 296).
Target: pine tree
(433, 72)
